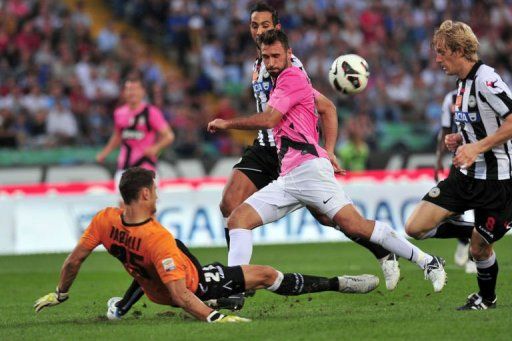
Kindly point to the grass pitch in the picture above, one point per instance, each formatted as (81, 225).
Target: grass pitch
(412, 311)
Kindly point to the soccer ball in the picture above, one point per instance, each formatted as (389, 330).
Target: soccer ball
(349, 74)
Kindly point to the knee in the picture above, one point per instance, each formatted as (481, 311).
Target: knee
(239, 218)
(480, 252)
(412, 231)
(227, 206)
(233, 220)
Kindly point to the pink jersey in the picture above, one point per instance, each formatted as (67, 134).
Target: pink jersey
(138, 129)
(297, 133)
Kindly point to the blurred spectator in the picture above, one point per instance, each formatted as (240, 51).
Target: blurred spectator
(61, 125)
(49, 59)
(353, 153)
(108, 38)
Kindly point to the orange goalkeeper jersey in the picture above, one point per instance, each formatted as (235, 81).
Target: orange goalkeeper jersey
(147, 250)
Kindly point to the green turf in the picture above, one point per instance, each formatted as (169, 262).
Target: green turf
(412, 311)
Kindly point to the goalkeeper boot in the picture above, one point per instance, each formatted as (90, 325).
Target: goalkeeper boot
(434, 271)
(476, 302)
(391, 270)
(358, 284)
(113, 312)
(233, 302)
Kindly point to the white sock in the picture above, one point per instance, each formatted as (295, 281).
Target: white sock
(277, 282)
(240, 247)
(486, 263)
(386, 237)
(430, 234)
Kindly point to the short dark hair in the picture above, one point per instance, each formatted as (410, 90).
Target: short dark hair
(134, 76)
(133, 180)
(271, 36)
(262, 6)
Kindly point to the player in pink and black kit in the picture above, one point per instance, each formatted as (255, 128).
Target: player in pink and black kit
(306, 176)
(140, 129)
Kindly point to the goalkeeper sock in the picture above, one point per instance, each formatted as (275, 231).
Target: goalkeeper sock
(240, 247)
(131, 296)
(385, 236)
(292, 284)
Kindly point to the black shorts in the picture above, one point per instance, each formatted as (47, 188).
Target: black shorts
(219, 281)
(260, 164)
(491, 200)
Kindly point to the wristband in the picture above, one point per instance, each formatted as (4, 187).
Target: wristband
(61, 296)
(214, 316)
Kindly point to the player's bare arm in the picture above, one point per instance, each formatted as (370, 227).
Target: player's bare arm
(68, 274)
(113, 143)
(329, 119)
(186, 299)
(467, 153)
(265, 120)
(71, 267)
(165, 138)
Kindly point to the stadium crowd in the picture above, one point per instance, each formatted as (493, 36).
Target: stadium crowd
(59, 84)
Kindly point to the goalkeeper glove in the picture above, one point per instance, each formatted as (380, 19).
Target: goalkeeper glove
(50, 300)
(216, 317)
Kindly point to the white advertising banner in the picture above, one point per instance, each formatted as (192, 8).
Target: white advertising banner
(53, 221)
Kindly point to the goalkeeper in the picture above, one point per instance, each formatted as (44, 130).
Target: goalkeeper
(164, 269)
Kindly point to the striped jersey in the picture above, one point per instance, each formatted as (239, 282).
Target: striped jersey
(262, 86)
(482, 103)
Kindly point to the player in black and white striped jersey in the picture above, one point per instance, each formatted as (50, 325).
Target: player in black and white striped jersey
(259, 164)
(448, 126)
(482, 175)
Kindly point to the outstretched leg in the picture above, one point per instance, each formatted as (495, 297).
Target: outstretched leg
(292, 284)
(238, 188)
(117, 306)
(387, 260)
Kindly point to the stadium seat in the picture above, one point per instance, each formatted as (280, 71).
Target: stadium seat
(166, 170)
(190, 168)
(20, 175)
(223, 166)
(77, 173)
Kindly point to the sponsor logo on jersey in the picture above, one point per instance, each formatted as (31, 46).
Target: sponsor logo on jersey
(263, 86)
(466, 117)
(168, 264)
(129, 134)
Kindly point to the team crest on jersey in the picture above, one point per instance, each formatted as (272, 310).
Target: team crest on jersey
(168, 264)
(434, 192)
(263, 86)
(471, 101)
